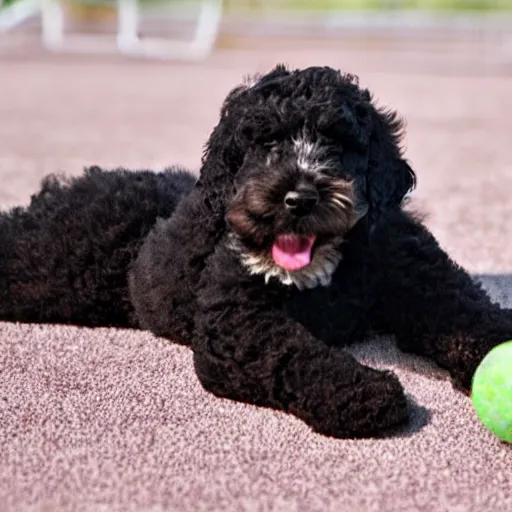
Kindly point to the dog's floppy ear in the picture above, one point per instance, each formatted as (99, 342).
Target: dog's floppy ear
(389, 177)
(223, 155)
(242, 120)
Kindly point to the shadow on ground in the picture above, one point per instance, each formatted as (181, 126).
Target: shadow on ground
(499, 287)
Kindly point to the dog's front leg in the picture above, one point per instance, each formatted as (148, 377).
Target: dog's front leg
(247, 349)
(431, 304)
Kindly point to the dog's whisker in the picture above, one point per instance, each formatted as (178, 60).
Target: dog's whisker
(336, 202)
(343, 198)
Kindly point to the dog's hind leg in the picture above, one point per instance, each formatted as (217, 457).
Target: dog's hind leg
(65, 257)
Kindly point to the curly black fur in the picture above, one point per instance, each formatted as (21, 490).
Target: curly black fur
(299, 157)
(64, 258)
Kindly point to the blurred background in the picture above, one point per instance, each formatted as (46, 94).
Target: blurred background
(139, 84)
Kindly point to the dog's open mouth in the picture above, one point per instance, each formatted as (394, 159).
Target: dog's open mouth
(292, 252)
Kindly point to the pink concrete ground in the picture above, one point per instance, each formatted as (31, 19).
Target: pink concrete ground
(107, 420)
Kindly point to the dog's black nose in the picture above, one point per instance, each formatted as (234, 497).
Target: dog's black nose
(301, 201)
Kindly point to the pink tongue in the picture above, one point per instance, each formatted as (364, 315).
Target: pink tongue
(292, 252)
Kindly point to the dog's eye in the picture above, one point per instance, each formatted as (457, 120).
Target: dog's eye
(262, 218)
(326, 175)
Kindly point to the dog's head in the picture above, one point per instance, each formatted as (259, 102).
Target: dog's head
(297, 160)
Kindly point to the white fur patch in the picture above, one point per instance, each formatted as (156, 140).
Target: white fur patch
(318, 273)
(309, 155)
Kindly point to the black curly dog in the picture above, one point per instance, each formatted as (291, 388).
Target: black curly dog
(293, 242)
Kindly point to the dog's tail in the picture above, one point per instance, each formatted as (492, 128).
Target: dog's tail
(65, 257)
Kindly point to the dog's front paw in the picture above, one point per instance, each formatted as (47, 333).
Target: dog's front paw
(462, 382)
(466, 355)
(368, 404)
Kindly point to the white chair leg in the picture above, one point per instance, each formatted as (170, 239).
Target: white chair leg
(208, 26)
(127, 23)
(52, 24)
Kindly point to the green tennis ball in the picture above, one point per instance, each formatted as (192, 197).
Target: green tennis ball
(492, 391)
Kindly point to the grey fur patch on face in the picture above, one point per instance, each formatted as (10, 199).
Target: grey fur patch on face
(318, 273)
(310, 155)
